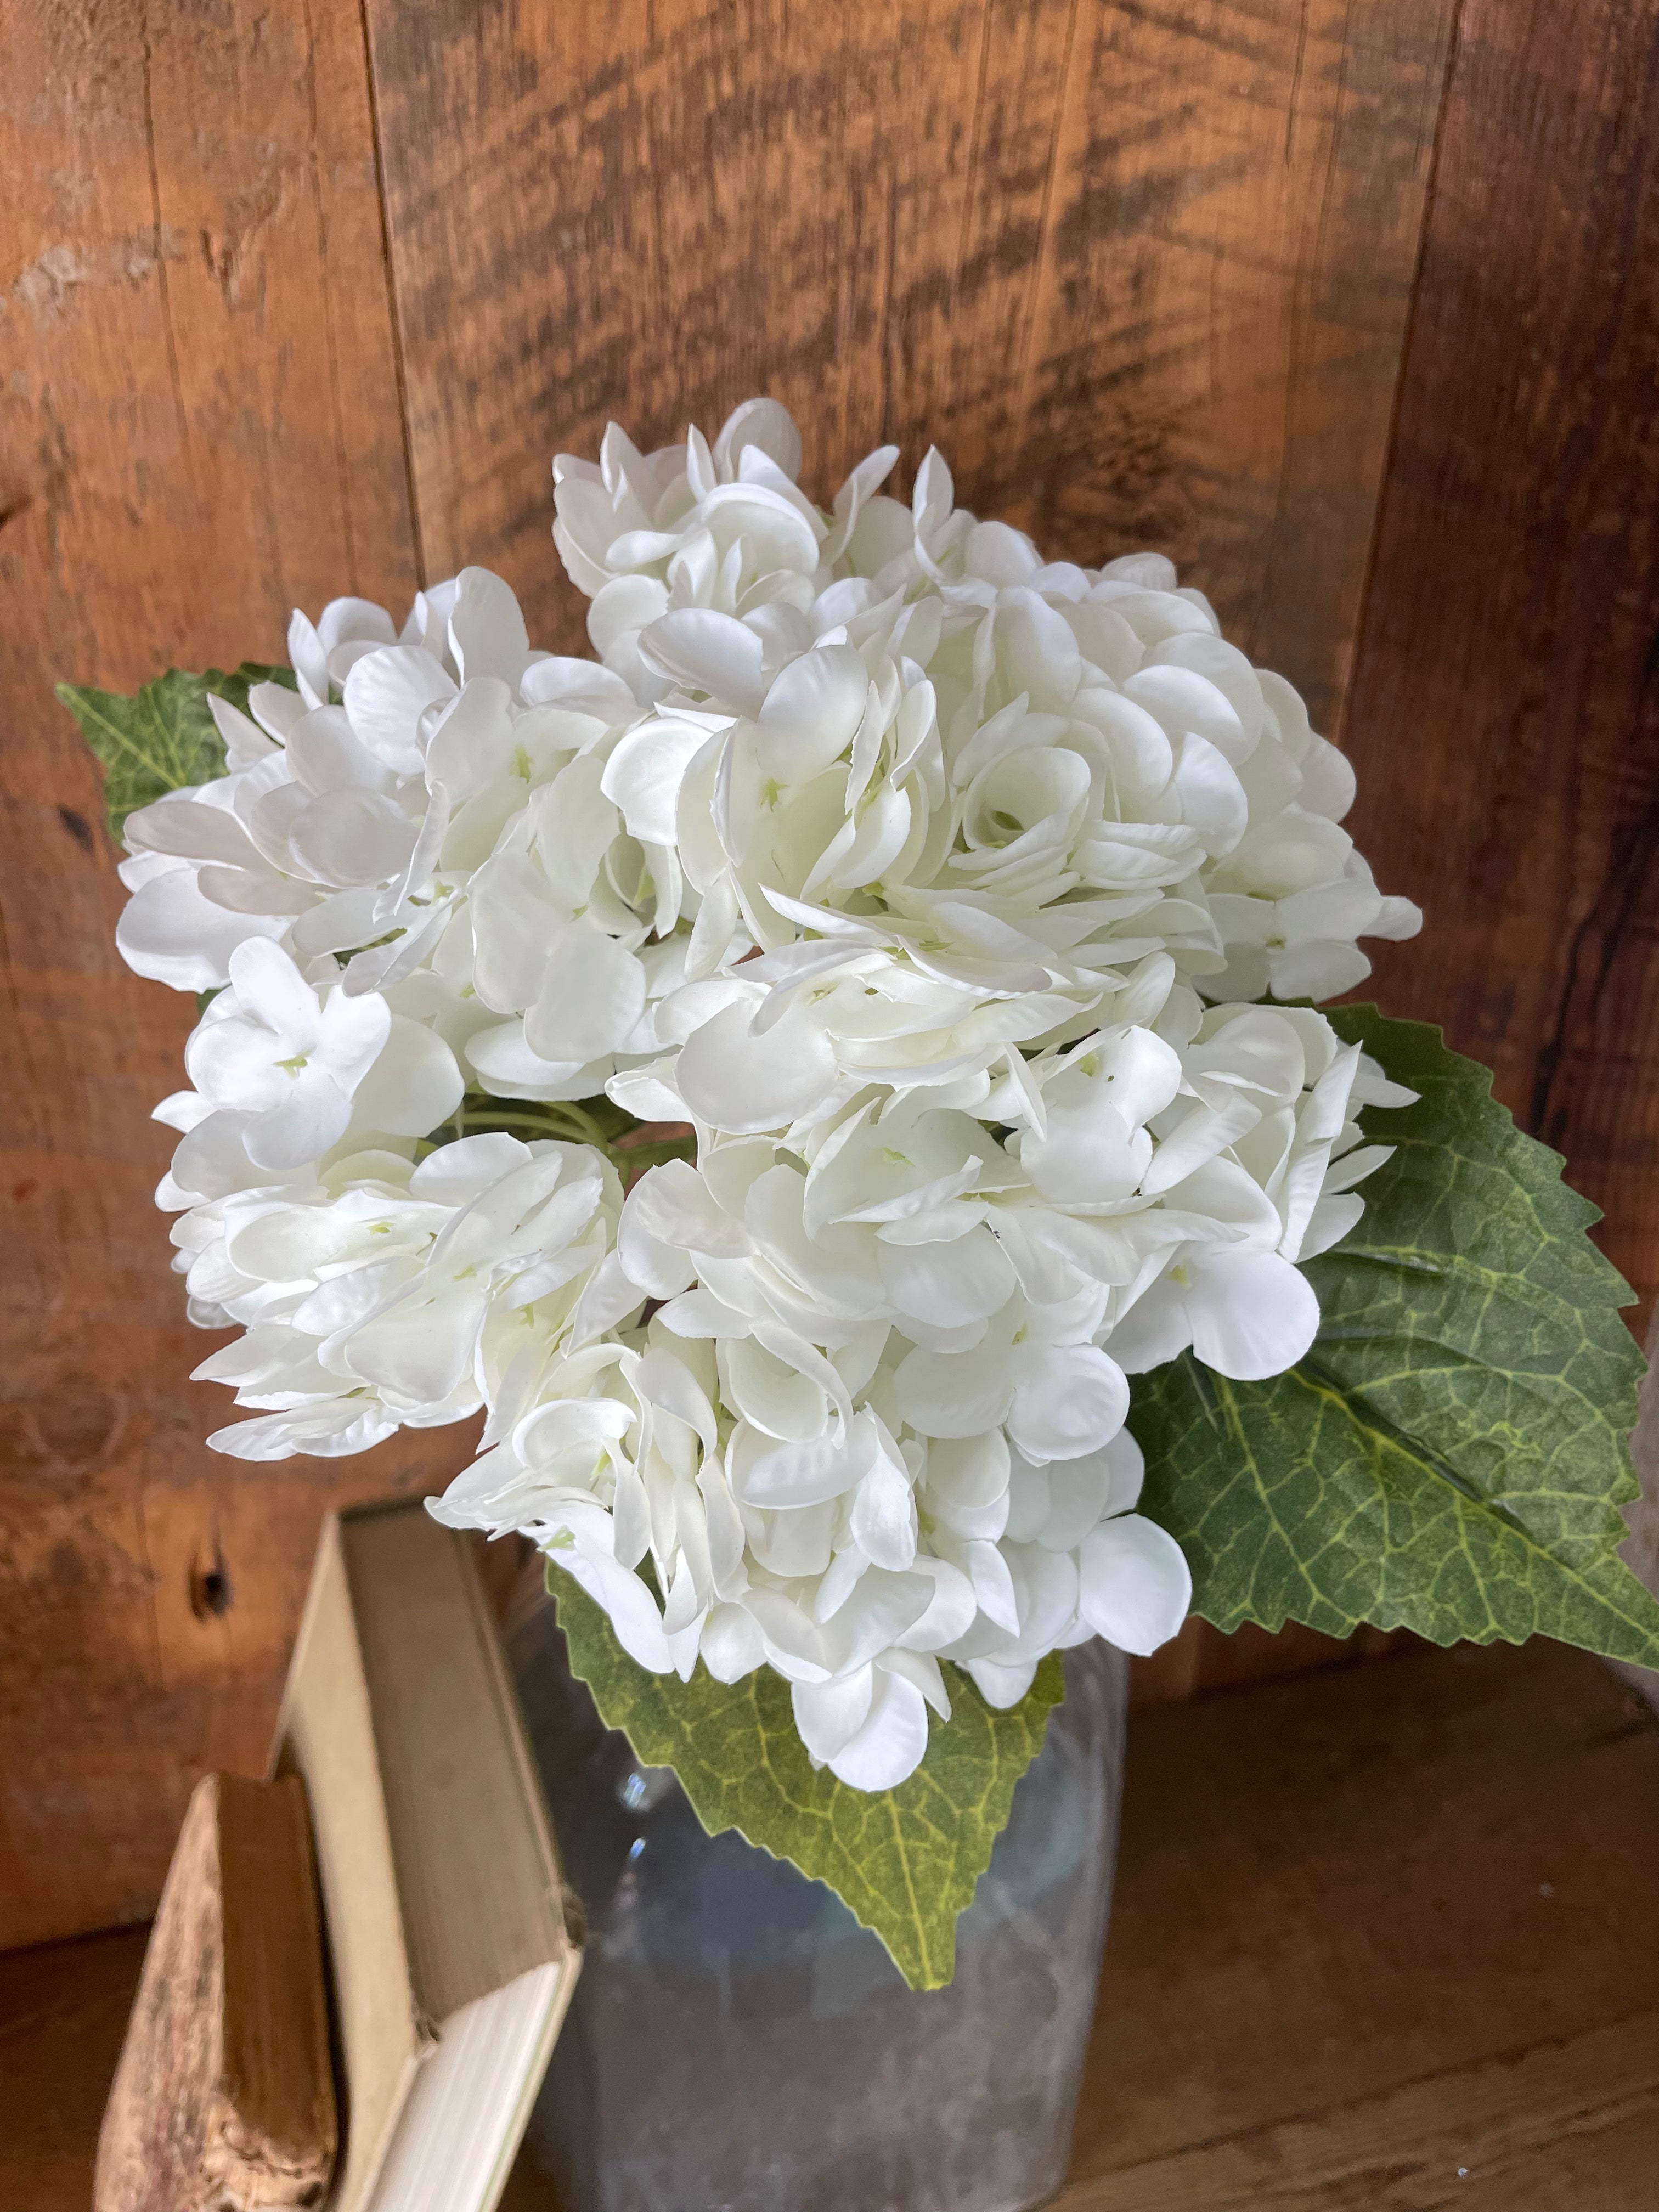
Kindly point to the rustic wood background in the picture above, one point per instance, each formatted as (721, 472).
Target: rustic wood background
(299, 300)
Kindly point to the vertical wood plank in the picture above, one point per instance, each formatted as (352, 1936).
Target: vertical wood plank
(198, 396)
(1505, 717)
(1141, 270)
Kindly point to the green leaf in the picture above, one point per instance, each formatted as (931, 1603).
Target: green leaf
(905, 1862)
(1451, 1455)
(164, 737)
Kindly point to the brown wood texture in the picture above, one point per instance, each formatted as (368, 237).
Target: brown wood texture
(1504, 717)
(1142, 271)
(223, 2096)
(1375, 1925)
(1385, 1941)
(199, 411)
(64, 2011)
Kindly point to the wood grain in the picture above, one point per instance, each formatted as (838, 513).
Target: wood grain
(1565, 2124)
(1370, 1919)
(64, 2011)
(223, 2097)
(1141, 270)
(1369, 1930)
(1505, 711)
(1198, 1658)
(199, 415)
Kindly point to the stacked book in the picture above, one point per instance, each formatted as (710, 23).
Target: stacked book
(449, 1964)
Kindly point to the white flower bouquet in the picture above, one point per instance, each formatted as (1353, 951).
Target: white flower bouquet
(836, 1083)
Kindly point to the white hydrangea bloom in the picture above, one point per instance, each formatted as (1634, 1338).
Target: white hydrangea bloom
(802, 1546)
(376, 1293)
(724, 527)
(942, 871)
(902, 1440)
(936, 887)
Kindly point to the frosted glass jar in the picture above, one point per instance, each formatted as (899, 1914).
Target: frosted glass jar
(737, 2043)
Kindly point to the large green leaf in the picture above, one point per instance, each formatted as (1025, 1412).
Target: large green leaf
(162, 739)
(905, 1862)
(1451, 1455)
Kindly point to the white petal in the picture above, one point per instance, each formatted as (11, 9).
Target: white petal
(892, 1742)
(506, 1064)
(276, 707)
(621, 608)
(631, 1608)
(1128, 1466)
(731, 1644)
(740, 1082)
(923, 1669)
(1317, 970)
(881, 1609)
(972, 1473)
(948, 1285)
(1069, 1399)
(712, 653)
(170, 933)
(1253, 1315)
(1002, 1683)
(883, 1516)
(812, 711)
(1180, 700)
(1222, 665)
(771, 1396)
(593, 992)
(413, 1086)
(946, 1393)
(348, 837)
(1078, 1492)
(1155, 1328)
(829, 1714)
(487, 630)
(270, 986)
(766, 424)
(385, 695)
(420, 1350)
(644, 774)
(332, 1429)
(1133, 1583)
(993, 1587)
(767, 1474)
(310, 1121)
(188, 829)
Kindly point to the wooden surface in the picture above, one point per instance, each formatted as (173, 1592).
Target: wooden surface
(1375, 1926)
(1141, 270)
(1505, 720)
(199, 424)
(1384, 1941)
(223, 2097)
(1154, 261)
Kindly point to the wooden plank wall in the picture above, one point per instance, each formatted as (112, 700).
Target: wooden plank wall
(300, 302)
(1505, 719)
(1142, 270)
(201, 427)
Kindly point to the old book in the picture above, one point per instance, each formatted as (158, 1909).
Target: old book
(223, 2099)
(442, 1901)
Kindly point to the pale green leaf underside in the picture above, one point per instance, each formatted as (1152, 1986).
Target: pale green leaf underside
(163, 738)
(1452, 1454)
(905, 1862)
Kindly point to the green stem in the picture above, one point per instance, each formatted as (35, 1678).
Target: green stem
(595, 1123)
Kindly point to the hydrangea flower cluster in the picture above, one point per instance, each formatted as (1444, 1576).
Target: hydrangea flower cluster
(936, 889)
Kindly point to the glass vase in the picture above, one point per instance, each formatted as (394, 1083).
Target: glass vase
(737, 2043)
